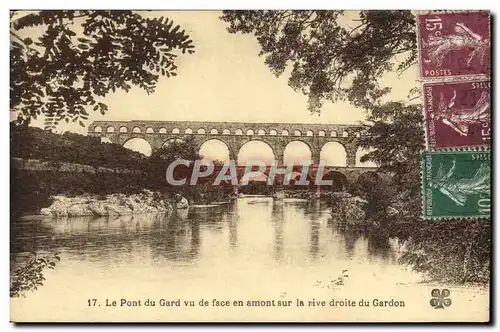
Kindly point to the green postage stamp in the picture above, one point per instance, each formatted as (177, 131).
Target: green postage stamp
(456, 184)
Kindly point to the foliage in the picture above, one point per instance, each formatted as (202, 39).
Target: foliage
(160, 159)
(337, 55)
(79, 57)
(35, 143)
(184, 148)
(204, 192)
(398, 138)
(455, 251)
(379, 194)
(29, 276)
(256, 188)
(333, 54)
(32, 190)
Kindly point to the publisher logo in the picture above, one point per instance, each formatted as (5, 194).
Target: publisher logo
(440, 298)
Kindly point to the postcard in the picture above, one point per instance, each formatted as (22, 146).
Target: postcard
(250, 166)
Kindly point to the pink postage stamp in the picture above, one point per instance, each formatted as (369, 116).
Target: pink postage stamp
(457, 114)
(454, 44)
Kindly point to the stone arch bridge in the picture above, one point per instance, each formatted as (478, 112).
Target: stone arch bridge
(236, 134)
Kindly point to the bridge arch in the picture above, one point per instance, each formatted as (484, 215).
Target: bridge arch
(139, 144)
(334, 154)
(257, 150)
(214, 132)
(367, 182)
(369, 176)
(214, 149)
(274, 134)
(339, 180)
(296, 151)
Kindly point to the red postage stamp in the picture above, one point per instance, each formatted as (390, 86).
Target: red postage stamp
(457, 114)
(454, 44)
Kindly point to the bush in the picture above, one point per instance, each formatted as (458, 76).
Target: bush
(29, 276)
(455, 251)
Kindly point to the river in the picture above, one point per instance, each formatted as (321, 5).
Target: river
(254, 249)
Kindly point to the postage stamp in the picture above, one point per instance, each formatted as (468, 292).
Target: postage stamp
(454, 44)
(456, 184)
(457, 114)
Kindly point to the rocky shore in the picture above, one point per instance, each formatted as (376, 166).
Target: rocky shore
(115, 204)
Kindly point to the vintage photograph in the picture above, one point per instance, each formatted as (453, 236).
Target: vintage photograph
(250, 166)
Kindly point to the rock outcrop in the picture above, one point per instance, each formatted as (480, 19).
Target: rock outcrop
(180, 203)
(115, 204)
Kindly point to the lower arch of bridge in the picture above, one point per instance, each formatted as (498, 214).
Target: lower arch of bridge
(139, 144)
(295, 179)
(339, 181)
(369, 176)
(255, 150)
(367, 181)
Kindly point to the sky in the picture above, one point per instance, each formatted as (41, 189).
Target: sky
(226, 80)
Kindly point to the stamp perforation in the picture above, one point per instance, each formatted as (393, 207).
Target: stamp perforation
(434, 138)
(452, 77)
(430, 213)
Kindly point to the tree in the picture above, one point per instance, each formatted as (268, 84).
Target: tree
(160, 159)
(338, 55)
(334, 55)
(79, 57)
(397, 135)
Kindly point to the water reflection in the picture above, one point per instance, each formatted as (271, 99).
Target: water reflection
(249, 237)
(314, 213)
(278, 224)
